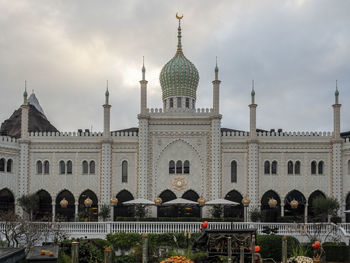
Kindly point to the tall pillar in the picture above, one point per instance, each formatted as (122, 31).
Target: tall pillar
(306, 212)
(336, 115)
(53, 211)
(143, 90)
(216, 91)
(216, 157)
(76, 210)
(252, 107)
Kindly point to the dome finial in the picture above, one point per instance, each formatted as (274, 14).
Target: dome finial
(25, 94)
(253, 93)
(216, 70)
(336, 92)
(143, 68)
(179, 46)
(107, 94)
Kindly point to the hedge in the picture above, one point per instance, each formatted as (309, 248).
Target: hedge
(180, 219)
(336, 252)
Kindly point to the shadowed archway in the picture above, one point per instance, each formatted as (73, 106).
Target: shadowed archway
(85, 212)
(66, 214)
(270, 214)
(311, 215)
(7, 201)
(234, 211)
(298, 212)
(121, 210)
(167, 211)
(190, 211)
(45, 206)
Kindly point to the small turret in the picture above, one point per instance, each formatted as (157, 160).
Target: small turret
(336, 93)
(143, 69)
(107, 95)
(25, 94)
(216, 70)
(336, 113)
(253, 93)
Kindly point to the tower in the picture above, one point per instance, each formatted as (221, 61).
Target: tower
(252, 107)
(143, 89)
(216, 90)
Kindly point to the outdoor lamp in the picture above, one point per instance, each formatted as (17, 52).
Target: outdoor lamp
(64, 203)
(272, 202)
(158, 201)
(114, 201)
(294, 204)
(201, 201)
(88, 202)
(246, 202)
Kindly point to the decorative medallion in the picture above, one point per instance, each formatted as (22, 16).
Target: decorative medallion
(179, 183)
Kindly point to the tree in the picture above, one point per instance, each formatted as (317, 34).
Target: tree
(105, 212)
(29, 204)
(324, 208)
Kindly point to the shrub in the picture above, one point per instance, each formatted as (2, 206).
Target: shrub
(336, 252)
(271, 246)
(123, 241)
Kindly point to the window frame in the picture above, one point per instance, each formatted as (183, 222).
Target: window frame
(125, 169)
(234, 168)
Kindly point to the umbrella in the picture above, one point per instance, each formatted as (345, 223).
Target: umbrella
(180, 202)
(139, 201)
(221, 202)
(347, 211)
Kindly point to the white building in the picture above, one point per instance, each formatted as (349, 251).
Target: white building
(177, 151)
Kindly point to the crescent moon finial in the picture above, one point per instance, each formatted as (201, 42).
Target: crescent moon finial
(179, 17)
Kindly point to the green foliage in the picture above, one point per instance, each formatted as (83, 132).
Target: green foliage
(286, 219)
(29, 203)
(216, 211)
(255, 215)
(336, 252)
(124, 241)
(63, 258)
(140, 211)
(336, 219)
(88, 252)
(324, 207)
(271, 246)
(105, 212)
(299, 250)
(124, 259)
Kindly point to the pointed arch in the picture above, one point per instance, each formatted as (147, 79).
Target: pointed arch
(179, 167)
(290, 168)
(62, 167)
(66, 214)
(297, 213)
(297, 167)
(320, 167)
(171, 167)
(312, 197)
(39, 167)
(167, 211)
(274, 167)
(234, 211)
(2, 165)
(186, 167)
(190, 211)
(85, 167)
(267, 167)
(7, 201)
(313, 167)
(122, 210)
(45, 206)
(69, 167)
(89, 213)
(124, 171)
(9, 166)
(270, 214)
(234, 171)
(92, 167)
(46, 167)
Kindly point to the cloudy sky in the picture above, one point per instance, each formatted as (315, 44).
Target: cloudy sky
(66, 50)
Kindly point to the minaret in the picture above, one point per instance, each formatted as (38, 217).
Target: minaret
(252, 106)
(25, 113)
(216, 90)
(336, 114)
(143, 97)
(106, 115)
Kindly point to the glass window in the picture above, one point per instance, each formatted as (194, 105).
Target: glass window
(69, 167)
(313, 167)
(46, 167)
(233, 172)
(297, 167)
(290, 167)
(171, 102)
(124, 172)
(178, 102)
(186, 167)
(9, 166)
(320, 167)
(187, 102)
(2, 165)
(85, 167)
(274, 167)
(62, 167)
(193, 104)
(92, 167)
(267, 167)
(39, 167)
(171, 167)
(179, 167)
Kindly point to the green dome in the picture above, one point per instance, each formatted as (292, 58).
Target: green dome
(179, 77)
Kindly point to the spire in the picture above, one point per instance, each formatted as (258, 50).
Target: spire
(25, 94)
(253, 93)
(179, 46)
(336, 92)
(216, 70)
(143, 68)
(107, 95)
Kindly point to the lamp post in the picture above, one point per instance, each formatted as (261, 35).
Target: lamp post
(114, 202)
(245, 202)
(158, 201)
(201, 203)
(88, 203)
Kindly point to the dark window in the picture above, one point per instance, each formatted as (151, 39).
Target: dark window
(186, 167)
(92, 167)
(187, 102)
(171, 102)
(349, 167)
(46, 167)
(233, 172)
(69, 167)
(290, 167)
(62, 167)
(320, 167)
(313, 167)
(2, 165)
(124, 172)
(193, 104)
(39, 167)
(297, 167)
(267, 167)
(179, 102)
(9, 166)
(171, 167)
(85, 167)
(274, 167)
(179, 167)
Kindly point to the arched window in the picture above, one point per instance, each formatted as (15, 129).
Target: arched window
(349, 167)
(320, 167)
(179, 102)
(9, 166)
(267, 167)
(297, 167)
(186, 167)
(290, 167)
(2, 165)
(179, 167)
(85, 167)
(313, 167)
(39, 167)
(171, 167)
(124, 172)
(69, 167)
(233, 172)
(171, 102)
(92, 167)
(46, 167)
(187, 102)
(193, 104)
(62, 167)
(274, 167)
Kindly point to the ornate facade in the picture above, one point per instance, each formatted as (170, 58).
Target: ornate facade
(176, 151)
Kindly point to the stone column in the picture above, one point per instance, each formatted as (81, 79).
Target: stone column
(282, 210)
(143, 156)
(306, 212)
(76, 211)
(216, 157)
(253, 173)
(53, 212)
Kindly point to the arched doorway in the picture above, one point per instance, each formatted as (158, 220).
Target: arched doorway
(347, 207)
(311, 215)
(122, 210)
(45, 206)
(167, 211)
(88, 212)
(298, 212)
(67, 213)
(190, 211)
(7, 201)
(234, 211)
(270, 214)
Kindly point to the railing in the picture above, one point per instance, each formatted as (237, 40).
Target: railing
(100, 229)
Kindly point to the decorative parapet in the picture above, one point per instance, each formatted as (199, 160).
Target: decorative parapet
(277, 134)
(8, 142)
(8, 139)
(235, 134)
(65, 134)
(202, 111)
(125, 134)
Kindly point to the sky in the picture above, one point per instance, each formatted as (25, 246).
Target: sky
(295, 50)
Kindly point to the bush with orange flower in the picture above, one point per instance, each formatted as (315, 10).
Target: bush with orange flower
(177, 259)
